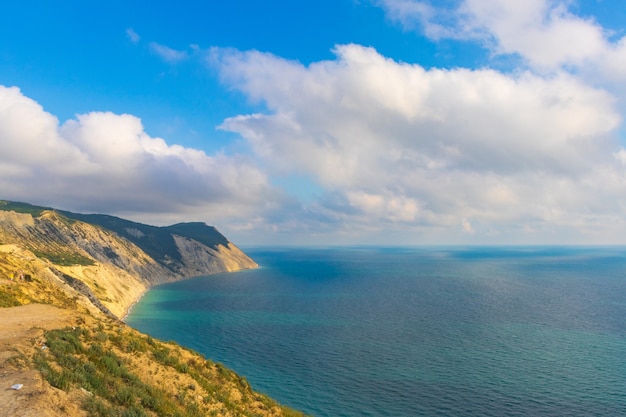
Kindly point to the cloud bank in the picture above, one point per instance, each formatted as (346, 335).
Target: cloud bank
(365, 149)
(521, 157)
(104, 162)
(546, 34)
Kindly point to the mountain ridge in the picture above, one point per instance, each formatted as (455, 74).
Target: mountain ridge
(64, 352)
(113, 259)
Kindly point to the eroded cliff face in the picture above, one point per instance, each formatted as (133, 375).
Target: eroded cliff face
(98, 267)
(199, 259)
(69, 275)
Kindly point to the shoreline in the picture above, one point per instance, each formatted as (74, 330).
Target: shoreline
(130, 307)
(128, 310)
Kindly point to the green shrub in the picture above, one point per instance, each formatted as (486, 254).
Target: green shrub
(82, 358)
(136, 345)
(150, 402)
(134, 411)
(101, 337)
(124, 396)
(162, 355)
(95, 407)
(183, 368)
(64, 341)
(9, 297)
(95, 350)
(60, 380)
(112, 364)
(64, 258)
(96, 383)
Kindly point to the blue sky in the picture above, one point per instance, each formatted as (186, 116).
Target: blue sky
(327, 122)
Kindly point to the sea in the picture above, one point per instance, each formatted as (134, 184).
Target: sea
(367, 331)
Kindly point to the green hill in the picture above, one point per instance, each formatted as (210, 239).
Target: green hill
(157, 242)
(66, 279)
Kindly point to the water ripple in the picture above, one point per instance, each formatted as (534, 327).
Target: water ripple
(414, 332)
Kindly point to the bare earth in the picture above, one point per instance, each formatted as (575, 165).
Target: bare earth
(21, 332)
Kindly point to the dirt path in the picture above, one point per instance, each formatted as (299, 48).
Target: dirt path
(21, 332)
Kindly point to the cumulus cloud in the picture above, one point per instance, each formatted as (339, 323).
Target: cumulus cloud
(543, 32)
(105, 162)
(400, 146)
(392, 148)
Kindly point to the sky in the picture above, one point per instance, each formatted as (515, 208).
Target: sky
(327, 122)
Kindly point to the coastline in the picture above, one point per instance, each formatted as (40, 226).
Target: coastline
(128, 310)
(130, 307)
(351, 312)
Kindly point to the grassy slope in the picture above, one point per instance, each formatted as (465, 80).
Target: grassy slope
(130, 374)
(122, 372)
(22, 208)
(157, 242)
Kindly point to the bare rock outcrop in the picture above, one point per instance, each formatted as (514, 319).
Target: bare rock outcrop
(110, 262)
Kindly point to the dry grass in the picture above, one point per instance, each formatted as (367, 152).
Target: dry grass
(130, 374)
(106, 368)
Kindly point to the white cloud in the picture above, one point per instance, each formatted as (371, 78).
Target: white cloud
(334, 116)
(436, 21)
(104, 162)
(467, 226)
(620, 155)
(168, 54)
(527, 157)
(543, 32)
(132, 35)
(400, 147)
(390, 207)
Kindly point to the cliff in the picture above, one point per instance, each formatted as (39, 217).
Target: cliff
(108, 262)
(66, 279)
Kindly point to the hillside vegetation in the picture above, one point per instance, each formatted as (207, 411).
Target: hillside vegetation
(109, 262)
(65, 280)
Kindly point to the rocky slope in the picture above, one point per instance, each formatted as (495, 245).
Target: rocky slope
(110, 262)
(66, 279)
(67, 363)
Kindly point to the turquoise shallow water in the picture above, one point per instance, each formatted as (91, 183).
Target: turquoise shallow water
(413, 332)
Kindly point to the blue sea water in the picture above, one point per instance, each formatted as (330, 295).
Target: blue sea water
(349, 332)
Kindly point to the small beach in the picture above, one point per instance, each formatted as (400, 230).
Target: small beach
(130, 308)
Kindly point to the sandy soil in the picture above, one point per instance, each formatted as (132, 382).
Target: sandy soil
(21, 332)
